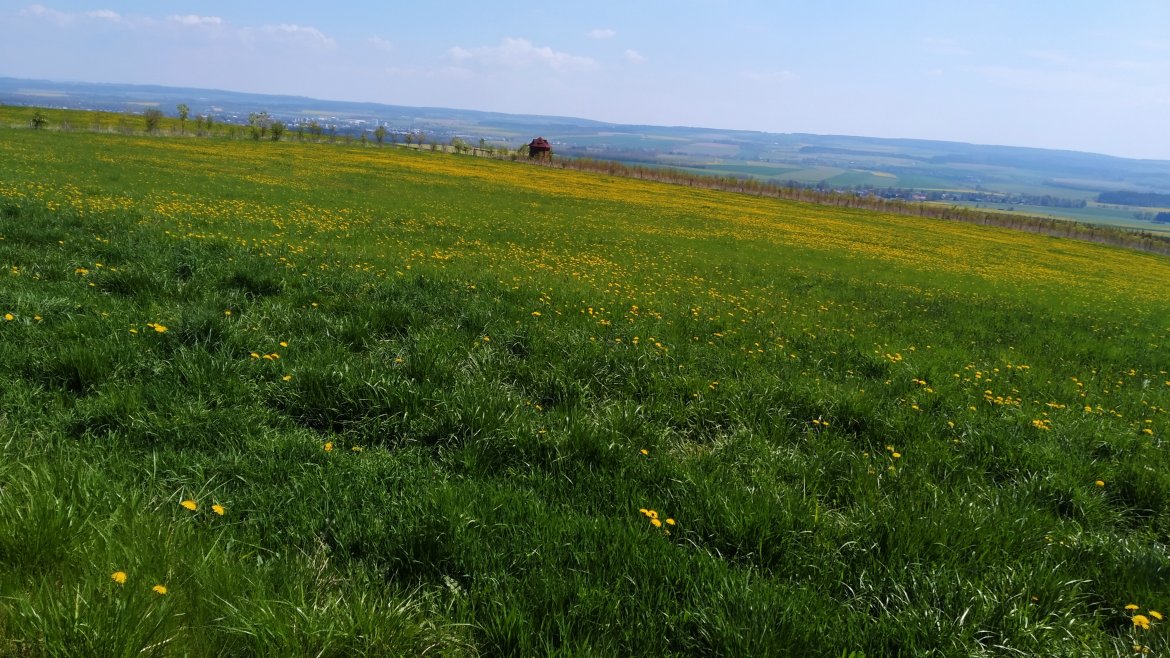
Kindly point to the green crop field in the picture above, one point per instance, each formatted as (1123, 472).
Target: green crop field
(273, 398)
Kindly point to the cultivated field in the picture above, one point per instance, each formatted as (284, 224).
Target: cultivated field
(265, 398)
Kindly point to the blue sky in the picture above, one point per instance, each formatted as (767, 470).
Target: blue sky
(1075, 74)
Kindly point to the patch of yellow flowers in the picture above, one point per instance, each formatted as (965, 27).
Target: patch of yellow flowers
(657, 522)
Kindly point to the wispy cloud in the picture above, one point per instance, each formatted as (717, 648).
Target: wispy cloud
(517, 53)
(601, 33)
(104, 15)
(45, 13)
(195, 21)
(634, 57)
(299, 34)
(378, 43)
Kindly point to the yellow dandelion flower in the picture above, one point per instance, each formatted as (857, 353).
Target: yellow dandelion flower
(37, 318)
(255, 355)
(669, 521)
(536, 314)
(896, 455)
(284, 343)
(328, 446)
(162, 329)
(1142, 622)
(1100, 483)
(644, 451)
(159, 589)
(656, 523)
(118, 577)
(652, 514)
(1131, 606)
(1156, 615)
(643, 510)
(287, 378)
(227, 312)
(190, 504)
(9, 317)
(219, 509)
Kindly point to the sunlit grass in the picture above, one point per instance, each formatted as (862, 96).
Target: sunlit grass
(357, 400)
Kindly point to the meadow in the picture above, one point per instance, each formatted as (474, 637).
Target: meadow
(269, 398)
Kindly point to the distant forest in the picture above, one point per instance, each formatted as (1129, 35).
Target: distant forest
(1140, 199)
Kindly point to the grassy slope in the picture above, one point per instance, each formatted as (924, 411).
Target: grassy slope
(488, 347)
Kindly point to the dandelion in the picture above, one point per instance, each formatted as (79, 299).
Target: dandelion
(118, 577)
(219, 509)
(1100, 483)
(328, 446)
(644, 451)
(1142, 622)
(656, 523)
(9, 317)
(190, 504)
(1156, 615)
(1131, 607)
(536, 314)
(284, 343)
(669, 521)
(227, 312)
(896, 455)
(287, 378)
(162, 329)
(159, 589)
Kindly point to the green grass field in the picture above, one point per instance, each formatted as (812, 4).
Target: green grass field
(302, 399)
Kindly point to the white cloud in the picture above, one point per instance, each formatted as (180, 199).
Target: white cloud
(105, 15)
(63, 19)
(193, 20)
(521, 53)
(634, 57)
(601, 33)
(52, 15)
(378, 43)
(303, 34)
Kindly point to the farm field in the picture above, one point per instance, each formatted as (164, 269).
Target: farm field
(269, 398)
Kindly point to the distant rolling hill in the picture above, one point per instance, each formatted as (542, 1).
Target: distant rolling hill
(1064, 183)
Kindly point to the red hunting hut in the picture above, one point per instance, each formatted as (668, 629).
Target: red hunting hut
(540, 149)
